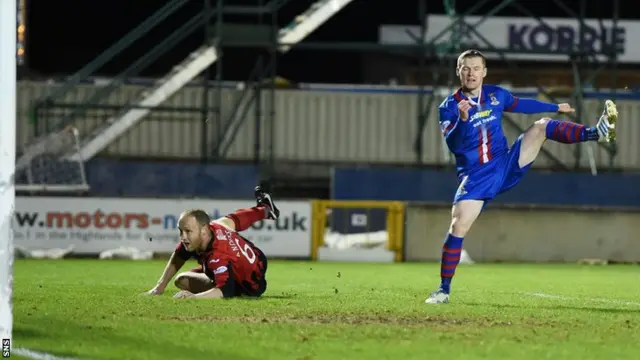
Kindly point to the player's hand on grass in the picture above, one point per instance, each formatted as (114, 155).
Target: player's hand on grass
(565, 108)
(155, 291)
(463, 108)
(184, 294)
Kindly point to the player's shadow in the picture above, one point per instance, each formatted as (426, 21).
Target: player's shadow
(111, 332)
(559, 307)
(24, 333)
(279, 297)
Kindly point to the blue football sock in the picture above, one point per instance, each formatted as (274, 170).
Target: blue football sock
(451, 251)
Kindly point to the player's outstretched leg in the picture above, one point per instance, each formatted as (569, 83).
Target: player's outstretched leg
(567, 132)
(464, 214)
(263, 197)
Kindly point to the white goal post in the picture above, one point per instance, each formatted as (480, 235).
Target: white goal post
(8, 34)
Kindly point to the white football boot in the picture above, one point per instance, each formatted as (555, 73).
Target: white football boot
(606, 125)
(438, 297)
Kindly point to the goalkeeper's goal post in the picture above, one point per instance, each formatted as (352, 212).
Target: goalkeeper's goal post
(8, 11)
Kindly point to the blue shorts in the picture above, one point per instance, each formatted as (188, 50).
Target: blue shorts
(490, 180)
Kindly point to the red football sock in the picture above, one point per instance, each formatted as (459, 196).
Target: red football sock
(243, 218)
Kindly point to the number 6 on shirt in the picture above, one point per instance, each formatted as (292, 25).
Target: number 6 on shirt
(247, 251)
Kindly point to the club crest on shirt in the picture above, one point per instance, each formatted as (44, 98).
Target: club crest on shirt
(494, 100)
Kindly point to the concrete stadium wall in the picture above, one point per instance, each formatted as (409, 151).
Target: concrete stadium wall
(527, 234)
(313, 126)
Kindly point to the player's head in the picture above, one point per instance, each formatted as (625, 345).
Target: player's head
(471, 68)
(194, 229)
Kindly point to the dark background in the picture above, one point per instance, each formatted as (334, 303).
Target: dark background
(63, 35)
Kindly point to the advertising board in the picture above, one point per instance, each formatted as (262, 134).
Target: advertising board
(556, 37)
(93, 225)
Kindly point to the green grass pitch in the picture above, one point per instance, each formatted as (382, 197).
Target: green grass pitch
(91, 309)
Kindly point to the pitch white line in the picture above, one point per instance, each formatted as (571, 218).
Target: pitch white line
(37, 355)
(600, 300)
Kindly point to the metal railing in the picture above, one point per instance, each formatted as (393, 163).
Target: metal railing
(329, 125)
(45, 108)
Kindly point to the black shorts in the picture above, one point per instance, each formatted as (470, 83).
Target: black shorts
(247, 288)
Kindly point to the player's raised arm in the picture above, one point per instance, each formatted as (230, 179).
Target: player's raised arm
(177, 260)
(531, 106)
(241, 219)
(448, 121)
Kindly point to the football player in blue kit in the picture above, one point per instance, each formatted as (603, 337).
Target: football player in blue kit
(471, 122)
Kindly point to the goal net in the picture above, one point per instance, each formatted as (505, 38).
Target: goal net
(44, 165)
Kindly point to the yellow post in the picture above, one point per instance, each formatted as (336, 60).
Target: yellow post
(394, 222)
